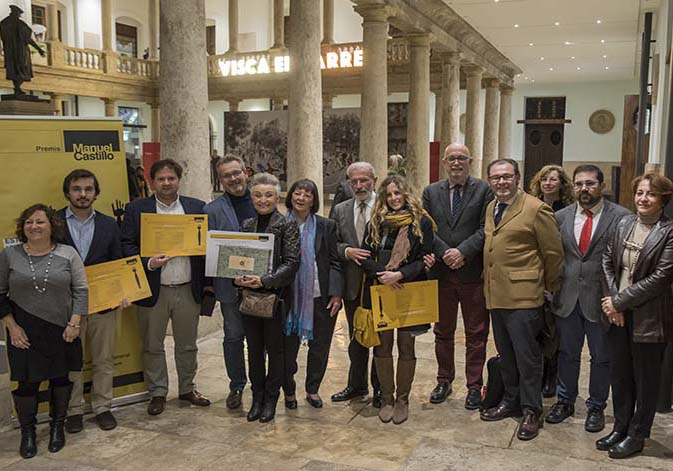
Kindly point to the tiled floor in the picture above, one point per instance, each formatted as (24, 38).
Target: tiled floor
(337, 437)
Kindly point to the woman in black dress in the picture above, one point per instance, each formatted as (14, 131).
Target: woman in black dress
(43, 294)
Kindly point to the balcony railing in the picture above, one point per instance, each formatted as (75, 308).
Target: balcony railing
(91, 59)
(138, 67)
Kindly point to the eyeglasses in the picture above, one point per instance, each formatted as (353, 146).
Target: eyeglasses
(497, 178)
(231, 175)
(456, 158)
(587, 183)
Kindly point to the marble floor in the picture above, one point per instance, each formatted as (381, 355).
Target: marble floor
(337, 437)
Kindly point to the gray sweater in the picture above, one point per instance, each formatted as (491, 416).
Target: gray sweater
(66, 293)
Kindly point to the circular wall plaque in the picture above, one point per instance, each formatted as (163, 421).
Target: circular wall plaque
(602, 121)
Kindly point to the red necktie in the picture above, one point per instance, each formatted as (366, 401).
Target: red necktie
(585, 235)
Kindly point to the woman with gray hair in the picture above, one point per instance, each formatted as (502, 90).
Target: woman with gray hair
(265, 299)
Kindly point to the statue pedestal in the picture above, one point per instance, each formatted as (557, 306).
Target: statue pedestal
(25, 105)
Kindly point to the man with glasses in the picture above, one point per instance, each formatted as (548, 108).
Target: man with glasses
(585, 227)
(458, 206)
(226, 213)
(523, 259)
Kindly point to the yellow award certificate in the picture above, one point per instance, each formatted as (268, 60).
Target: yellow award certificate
(415, 304)
(110, 282)
(173, 234)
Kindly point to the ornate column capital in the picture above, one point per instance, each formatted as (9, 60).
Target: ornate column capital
(506, 90)
(418, 39)
(474, 71)
(374, 12)
(453, 58)
(491, 83)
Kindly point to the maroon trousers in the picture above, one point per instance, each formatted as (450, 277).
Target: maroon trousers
(476, 322)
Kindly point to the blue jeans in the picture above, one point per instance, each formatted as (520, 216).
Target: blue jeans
(572, 330)
(234, 357)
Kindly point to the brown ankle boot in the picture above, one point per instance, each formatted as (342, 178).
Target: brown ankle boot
(405, 376)
(385, 372)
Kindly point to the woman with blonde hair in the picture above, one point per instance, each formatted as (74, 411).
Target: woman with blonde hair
(399, 234)
(553, 186)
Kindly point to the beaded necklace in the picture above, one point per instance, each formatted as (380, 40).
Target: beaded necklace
(46, 271)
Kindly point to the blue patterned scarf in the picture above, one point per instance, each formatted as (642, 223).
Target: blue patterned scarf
(300, 318)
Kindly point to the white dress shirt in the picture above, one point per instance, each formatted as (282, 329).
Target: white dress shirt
(368, 208)
(581, 217)
(178, 269)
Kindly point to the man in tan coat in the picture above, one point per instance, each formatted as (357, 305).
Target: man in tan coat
(523, 258)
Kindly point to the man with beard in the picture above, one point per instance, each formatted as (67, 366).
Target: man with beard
(96, 238)
(585, 227)
(352, 217)
(523, 259)
(226, 213)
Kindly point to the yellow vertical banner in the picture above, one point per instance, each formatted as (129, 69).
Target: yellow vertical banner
(36, 153)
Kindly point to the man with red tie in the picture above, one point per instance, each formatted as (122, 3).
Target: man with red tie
(584, 227)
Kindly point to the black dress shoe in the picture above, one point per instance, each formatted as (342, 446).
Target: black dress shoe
(347, 394)
(268, 411)
(595, 421)
(291, 403)
(530, 425)
(559, 412)
(440, 393)
(607, 442)
(499, 412)
(195, 398)
(74, 424)
(157, 405)
(106, 421)
(473, 399)
(377, 401)
(255, 411)
(317, 403)
(234, 399)
(627, 447)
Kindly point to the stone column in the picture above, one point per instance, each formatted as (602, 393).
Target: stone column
(233, 26)
(491, 106)
(473, 117)
(154, 29)
(437, 135)
(57, 104)
(505, 127)
(374, 102)
(418, 127)
(106, 24)
(110, 107)
(304, 140)
(328, 22)
(279, 24)
(183, 93)
(156, 123)
(52, 22)
(451, 100)
(233, 104)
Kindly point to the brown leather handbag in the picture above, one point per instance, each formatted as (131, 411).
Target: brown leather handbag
(258, 303)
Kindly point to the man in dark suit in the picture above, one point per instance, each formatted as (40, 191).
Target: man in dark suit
(226, 213)
(458, 206)
(351, 217)
(523, 258)
(585, 227)
(177, 285)
(343, 193)
(96, 238)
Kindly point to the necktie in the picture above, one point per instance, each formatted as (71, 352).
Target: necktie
(455, 201)
(498, 215)
(361, 222)
(585, 235)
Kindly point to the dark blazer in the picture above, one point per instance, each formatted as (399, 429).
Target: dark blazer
(131, 245)
(464, 232)
(286, 251)
(343, 193)
(330, 271)
(583, 274)
(648, 300)
(106, 244)
(347, 237)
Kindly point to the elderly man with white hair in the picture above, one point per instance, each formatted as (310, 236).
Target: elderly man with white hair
(351, 217)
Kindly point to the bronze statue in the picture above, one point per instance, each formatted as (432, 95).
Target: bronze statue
(16, 36)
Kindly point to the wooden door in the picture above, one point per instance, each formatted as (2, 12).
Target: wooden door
(543, 146)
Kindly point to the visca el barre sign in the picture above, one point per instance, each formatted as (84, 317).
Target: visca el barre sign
(91, 145)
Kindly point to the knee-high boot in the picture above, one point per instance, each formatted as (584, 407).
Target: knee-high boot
(405, 376)
(384, 369)
(58, 409)
(26, 410)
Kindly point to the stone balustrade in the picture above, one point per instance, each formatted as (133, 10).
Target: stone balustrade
(90, 59)
(138, 67)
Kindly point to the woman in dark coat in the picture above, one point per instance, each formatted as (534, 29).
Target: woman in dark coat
(399, 234)
(264, 336)
(638, 267)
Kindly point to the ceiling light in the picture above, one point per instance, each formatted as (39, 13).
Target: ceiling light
(567, 43)
(551, 69)
(598, 22)
(572, 57)
(541, 58)
(557, 24)
(516, 25)
(579, 68)
(605, 56)
(607, 68)
(533, 80)
(496, 1)
(602, 41)
(530, 44)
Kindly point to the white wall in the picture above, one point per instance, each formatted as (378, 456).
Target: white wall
(218, 11)
(347, 22)
(133, 13)
(662, 46)
(582, 99)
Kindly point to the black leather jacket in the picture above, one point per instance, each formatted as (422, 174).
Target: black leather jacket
(286, 251)
(649, 299)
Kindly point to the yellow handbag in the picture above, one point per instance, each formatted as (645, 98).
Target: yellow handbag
(363, 324)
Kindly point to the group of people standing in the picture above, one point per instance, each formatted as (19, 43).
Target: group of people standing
(504, 256)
